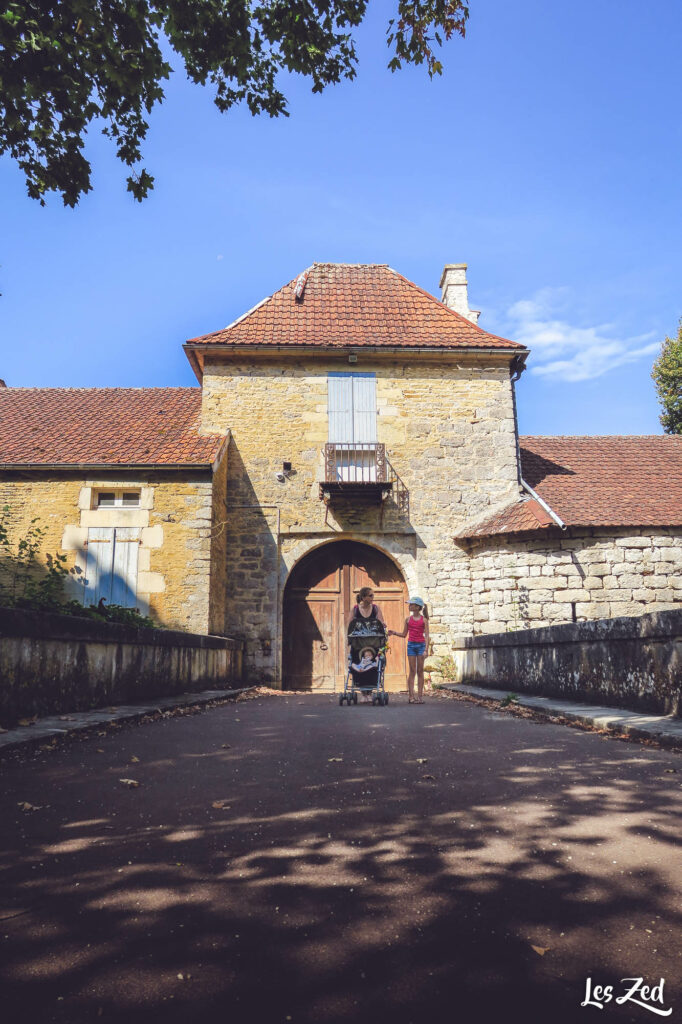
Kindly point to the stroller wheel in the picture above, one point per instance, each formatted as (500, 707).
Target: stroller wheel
(341, 699)
(355, 698)
(385, 698)
(374, 700)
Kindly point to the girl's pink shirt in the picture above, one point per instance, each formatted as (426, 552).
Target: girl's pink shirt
(416, 629)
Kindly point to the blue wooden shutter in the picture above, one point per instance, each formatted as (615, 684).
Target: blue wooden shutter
(364, 408)
(99, 564)
(340, 407)
(124, 574)
(352, 406)
(111, 566)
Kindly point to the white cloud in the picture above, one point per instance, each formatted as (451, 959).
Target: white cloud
(564, 350)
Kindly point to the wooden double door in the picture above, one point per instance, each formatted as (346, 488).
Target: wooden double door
(318, 600)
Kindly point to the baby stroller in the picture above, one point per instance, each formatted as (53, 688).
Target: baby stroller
(361, 635)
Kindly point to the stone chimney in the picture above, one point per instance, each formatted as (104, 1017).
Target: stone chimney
(454, 291)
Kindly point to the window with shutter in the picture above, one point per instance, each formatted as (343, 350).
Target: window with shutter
(111, 566)
(353, 424)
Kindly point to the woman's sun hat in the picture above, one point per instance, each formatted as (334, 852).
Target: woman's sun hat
(417, 601)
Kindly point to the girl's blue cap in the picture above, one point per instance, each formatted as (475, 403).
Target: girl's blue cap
(416, 600)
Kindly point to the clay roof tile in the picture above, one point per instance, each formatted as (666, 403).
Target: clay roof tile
(104, 426)
(354, 304)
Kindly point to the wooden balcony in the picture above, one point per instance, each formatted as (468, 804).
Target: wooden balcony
(360, 473)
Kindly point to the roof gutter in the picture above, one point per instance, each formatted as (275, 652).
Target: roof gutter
(192, 351)
(516, 369)
(35, 467)
(534, 494)
(265, 347)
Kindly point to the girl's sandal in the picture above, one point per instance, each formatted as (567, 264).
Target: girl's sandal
(411, 700)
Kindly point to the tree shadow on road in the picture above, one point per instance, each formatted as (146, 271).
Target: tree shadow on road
(318, 869)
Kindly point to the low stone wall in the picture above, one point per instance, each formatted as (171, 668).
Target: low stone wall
(633, 663)
(51, 663)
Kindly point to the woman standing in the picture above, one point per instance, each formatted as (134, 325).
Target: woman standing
(365, 609)
(416, 629)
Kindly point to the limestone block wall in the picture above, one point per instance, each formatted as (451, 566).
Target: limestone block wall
(50, 663)
(606, 573)
(630, 662)
(448, 427)
(175, 523)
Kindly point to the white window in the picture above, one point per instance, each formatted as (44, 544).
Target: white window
(352, 407)
(117, 499)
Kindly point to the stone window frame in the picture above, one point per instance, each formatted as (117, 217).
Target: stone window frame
(91, 515)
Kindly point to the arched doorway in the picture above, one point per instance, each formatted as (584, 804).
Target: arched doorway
(318, 599)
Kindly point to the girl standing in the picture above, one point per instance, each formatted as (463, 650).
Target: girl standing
(416, 629)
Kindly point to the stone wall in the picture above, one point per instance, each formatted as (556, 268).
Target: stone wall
(175, 523)
(634, 662)
(602, 573)
(448, 427)
(56, 663)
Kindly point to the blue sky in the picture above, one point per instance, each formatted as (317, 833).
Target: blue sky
(548, 157)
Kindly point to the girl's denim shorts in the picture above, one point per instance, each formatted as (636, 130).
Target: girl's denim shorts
(414, 648)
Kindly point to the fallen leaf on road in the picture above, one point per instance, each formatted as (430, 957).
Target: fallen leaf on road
(65, 718)
(26, 806)
(99, 750)
(336, 760)
(130, 783)
(432, 778)
(28, 721)
(226, 746)
(220, 805)
(134, 760)
(541, 950)
(422, 760)
(671, 771)
(2, 730)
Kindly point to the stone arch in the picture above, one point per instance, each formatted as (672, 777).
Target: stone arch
(317, 597)
(399, 554)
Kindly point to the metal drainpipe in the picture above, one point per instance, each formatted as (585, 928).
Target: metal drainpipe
(517, 369)
(279, 552)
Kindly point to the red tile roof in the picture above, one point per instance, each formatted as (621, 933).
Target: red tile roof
(352, 305)
(517, 518)
(596, 481)
(104, 426)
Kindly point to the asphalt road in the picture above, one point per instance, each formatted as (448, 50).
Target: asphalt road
(285, 859)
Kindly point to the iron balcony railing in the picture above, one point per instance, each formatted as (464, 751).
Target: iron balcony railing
(355, 463)
(360, 470)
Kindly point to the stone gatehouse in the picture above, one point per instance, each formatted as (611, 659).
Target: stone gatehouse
(349, 429)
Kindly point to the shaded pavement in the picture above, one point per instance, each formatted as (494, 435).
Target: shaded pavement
(285, 859)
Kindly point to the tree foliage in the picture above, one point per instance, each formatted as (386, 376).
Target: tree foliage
(67, 63)
(667, 375)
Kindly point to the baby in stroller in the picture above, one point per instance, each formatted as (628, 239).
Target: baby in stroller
(366, 664)
(366, 670)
